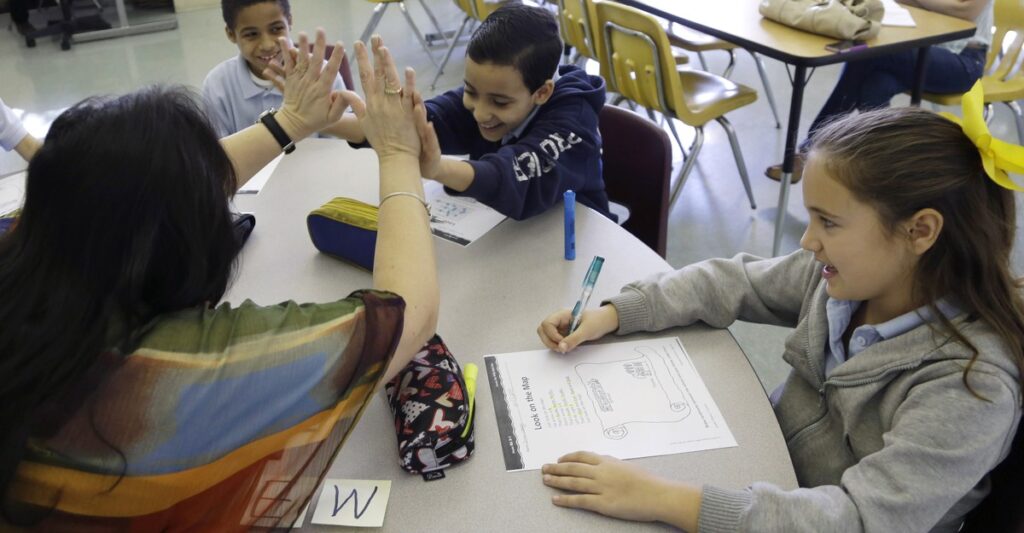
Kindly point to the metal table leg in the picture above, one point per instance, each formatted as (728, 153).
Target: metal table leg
(920, 67)
(792, 129)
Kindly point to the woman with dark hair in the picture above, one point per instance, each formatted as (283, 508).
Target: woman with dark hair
(129, 399)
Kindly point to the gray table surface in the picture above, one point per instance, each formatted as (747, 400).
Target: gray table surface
(494, 293)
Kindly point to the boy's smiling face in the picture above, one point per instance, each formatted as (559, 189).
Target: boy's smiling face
(499, 99)
(257, 28)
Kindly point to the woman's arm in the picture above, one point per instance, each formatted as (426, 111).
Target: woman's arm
(404, 258)
(309, 105)
(28, 147)
(963, 9)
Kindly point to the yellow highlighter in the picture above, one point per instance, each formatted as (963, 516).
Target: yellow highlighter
(469, 373)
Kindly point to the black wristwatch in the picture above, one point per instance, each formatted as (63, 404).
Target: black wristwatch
(268, 120)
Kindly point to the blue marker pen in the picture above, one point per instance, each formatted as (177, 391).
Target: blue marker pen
(588, 287)
(570, 224)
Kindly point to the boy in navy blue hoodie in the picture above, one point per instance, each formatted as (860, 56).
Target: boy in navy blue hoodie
(528, 125)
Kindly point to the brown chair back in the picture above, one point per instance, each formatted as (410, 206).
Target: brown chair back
(637, 161)
(1002, 509)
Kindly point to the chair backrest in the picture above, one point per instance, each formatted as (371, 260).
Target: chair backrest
(637, 168)
(576, 22)
(1001, 510)
(637, 59)
(1008, 17)
(482, 10)
(345, 70)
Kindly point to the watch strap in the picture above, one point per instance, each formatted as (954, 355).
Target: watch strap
(268, 120)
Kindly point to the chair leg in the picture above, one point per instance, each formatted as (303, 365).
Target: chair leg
(738, 155)
(448, 54)
(731, 65)
(433, 19)
(767, 88)
(703, 62)
(1018, 118)
(672, 128)
(378, 12)
(684, 173)
(416, 31)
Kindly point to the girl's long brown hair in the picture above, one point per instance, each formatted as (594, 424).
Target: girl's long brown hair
(902, 160)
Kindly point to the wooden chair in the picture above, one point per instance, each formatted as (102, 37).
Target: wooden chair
(637, 168)
(378, 13)
(475, 12)
(1001, 510)
(637, 63)
(694, 41)
(1003, 83)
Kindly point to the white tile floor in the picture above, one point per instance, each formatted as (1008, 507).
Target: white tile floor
(710, 219)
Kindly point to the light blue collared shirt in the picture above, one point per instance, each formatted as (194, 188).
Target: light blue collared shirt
(234, 99)
(840, 312)
(516, 133)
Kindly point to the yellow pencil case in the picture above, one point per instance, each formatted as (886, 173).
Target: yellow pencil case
(346, 229)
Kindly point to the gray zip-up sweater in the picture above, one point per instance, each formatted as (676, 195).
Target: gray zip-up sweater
(891, 441)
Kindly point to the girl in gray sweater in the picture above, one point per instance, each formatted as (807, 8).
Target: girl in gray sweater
(906, 353)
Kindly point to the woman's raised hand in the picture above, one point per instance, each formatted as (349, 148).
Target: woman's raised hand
(306, 81)
(386, 117)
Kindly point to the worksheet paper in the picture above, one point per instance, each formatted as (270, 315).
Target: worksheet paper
(256, 183)
(459, 219)
(625, 399)
(897, 15)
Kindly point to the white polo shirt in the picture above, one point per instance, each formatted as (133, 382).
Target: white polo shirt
(11, 129)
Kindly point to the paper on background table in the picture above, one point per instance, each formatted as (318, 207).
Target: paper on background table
(626, 399)
(459, 219)
(897, 15)
(352, 502)
(256, 183)
(12, 192)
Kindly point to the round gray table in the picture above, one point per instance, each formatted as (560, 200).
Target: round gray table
(494, 293)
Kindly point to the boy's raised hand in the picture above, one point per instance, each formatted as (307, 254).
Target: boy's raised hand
(594, 324)
(387, 115)
(430, 148)
(309, 104)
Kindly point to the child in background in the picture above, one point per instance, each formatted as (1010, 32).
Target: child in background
(14, 136)
(236, 92)
(528, 125)
(907, 355)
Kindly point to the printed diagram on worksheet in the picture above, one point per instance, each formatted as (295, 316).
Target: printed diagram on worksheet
(627, 399)
(459, 219)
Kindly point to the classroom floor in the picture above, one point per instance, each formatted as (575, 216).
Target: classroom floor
(710, 219)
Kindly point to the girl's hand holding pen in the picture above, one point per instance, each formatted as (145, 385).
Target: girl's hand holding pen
(594, 324)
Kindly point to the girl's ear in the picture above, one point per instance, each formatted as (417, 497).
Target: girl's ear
(923, 229)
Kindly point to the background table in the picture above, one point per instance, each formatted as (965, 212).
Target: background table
(493, 295)
(739, 22)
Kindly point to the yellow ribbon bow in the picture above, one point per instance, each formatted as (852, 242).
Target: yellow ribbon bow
(997, 156)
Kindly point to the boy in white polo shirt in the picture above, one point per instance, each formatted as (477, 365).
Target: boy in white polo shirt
(14, 136)
(235, 92)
